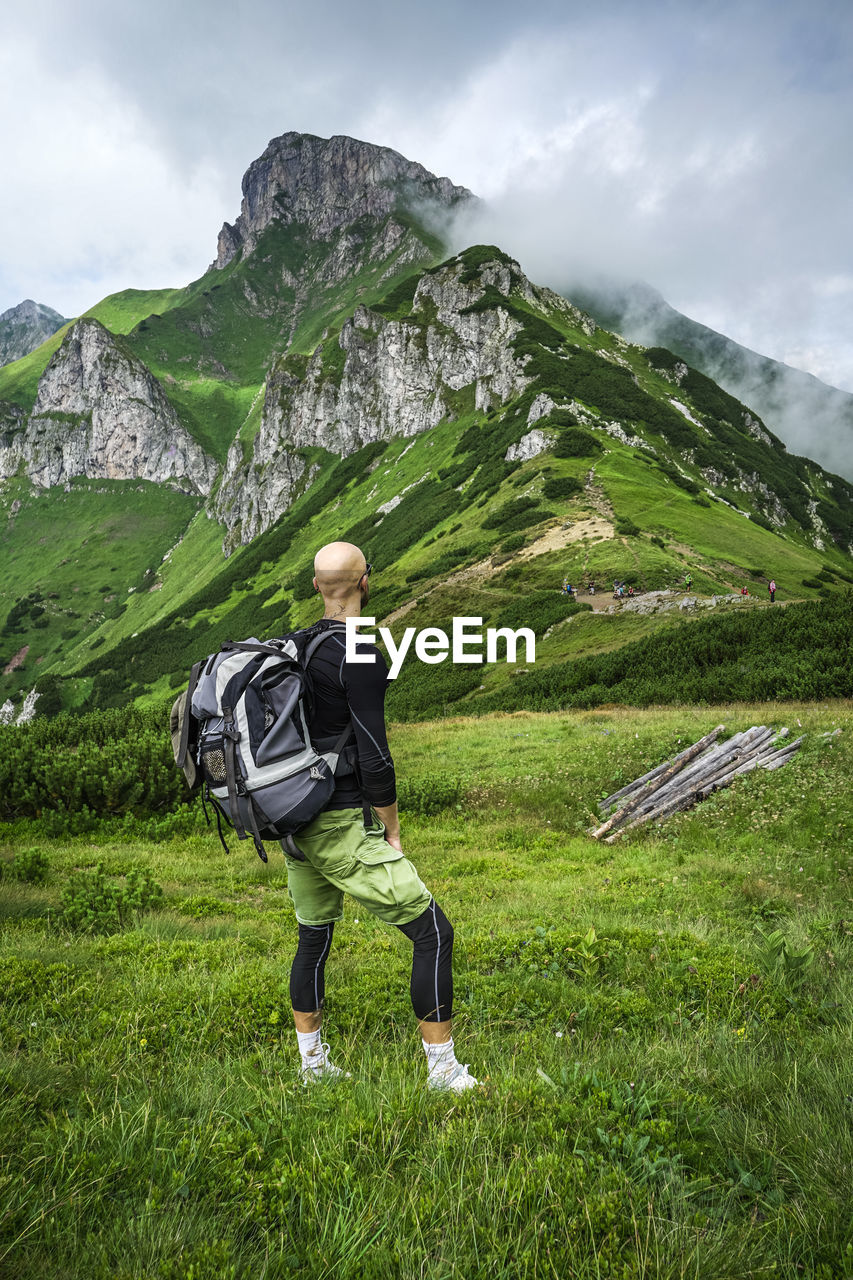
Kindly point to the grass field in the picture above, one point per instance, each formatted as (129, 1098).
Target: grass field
(668, 1095)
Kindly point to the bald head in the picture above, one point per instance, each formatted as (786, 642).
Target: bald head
(339, 569)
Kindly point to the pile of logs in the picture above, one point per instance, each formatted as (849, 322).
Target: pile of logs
(692, 776)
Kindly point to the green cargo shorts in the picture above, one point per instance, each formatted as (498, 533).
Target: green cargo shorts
(342, 857)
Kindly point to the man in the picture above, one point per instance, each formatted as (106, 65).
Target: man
(772, 589)
(353, 846)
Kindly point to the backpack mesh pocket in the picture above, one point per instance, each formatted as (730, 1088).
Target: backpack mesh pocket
(212, 761)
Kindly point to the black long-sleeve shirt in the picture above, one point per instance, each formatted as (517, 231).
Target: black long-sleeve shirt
(354, 692)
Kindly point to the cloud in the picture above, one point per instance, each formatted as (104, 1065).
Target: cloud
(703, 148)
(709, 158)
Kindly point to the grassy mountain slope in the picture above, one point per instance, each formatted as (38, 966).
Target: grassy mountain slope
(808, 414)
(119, 312)
(475, 535)
(71, 559)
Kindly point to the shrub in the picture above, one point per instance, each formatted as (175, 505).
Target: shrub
(560, 487)
(93, 904)
(30, 865)
(429, 794)
(802, 652)
(508, 514)
(574, 443)
(627, 528)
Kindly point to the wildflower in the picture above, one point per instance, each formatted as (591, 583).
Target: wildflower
(558, 1034)
(143, 1042)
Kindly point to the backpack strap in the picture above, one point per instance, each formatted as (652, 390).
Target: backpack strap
(349, 732)
(184, 741)
(315, 641)
(245, 646)
(256, 835)
(231, 736)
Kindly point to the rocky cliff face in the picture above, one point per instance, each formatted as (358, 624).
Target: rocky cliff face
(100, 413)
(325, 184)
(380, 378)
(25, 327)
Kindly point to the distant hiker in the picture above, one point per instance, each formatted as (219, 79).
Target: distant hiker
(630, 590)
(744, 591)
(688, 580)
(353, 845)
(566, 587)
(772, 590)
(591, 588)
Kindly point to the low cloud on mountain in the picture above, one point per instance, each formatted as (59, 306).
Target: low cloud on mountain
(702, 148)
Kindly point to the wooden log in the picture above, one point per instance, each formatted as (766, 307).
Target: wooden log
(683, 756)
(701, 786)
(739, 761)
(660, 793)
(655, 782)
(778, 762)
(708, 765)
(604, 805)
(789, 749)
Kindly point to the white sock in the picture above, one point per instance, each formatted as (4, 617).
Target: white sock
(309, 1046)
(440, 1057)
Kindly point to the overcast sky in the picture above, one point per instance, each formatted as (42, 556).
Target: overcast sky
(701, 146)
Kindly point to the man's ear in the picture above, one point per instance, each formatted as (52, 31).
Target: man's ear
(314, 580)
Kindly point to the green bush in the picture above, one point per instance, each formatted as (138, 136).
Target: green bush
(627, 528)
(428, 794)
(109, 762)
(560, 487)
(801, 652)
(508, 515)
(30, 865)
(93, 904)
(574, 443)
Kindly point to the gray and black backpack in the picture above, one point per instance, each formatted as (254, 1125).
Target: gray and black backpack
(240, 736)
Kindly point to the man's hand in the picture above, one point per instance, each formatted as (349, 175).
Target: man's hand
(387, 814)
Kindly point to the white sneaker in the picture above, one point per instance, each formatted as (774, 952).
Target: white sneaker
(321, 1067)
(455, 1079)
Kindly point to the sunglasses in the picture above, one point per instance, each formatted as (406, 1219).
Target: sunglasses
(368, 566)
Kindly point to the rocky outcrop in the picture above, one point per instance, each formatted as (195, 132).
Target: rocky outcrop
(25, 327)
(328, 183)
(100, 413)
(379, 378)
(529, 446)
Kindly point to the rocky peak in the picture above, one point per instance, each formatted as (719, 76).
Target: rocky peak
(25, 327)
(101, 413)
(378, 378)
(327, 183)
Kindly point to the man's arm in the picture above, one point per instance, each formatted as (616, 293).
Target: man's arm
(366, 687)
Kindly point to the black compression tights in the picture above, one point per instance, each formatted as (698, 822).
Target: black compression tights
(432, 977)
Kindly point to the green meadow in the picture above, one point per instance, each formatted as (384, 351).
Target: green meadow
(662, 1027)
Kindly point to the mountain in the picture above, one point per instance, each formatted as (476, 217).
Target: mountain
(25, 327)
(810, 416)
(170, 462)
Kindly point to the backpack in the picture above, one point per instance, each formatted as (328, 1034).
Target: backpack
(240, 736)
